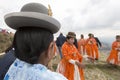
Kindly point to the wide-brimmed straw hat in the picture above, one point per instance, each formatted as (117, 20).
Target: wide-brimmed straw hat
(32, 15)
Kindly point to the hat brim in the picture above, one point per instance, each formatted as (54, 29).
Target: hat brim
(26, 19)
(71, 36)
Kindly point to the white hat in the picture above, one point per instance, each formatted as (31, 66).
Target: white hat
(32, 15)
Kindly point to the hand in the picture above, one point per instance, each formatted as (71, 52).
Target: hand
(80, 65)
(91, 59)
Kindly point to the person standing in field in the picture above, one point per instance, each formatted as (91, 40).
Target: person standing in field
(81, 45)
(59, 42)
(91, 47)
(114, 57)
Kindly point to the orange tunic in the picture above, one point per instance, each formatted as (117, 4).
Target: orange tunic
(114, 58)
(65, 67)
(81, 46)
(91, 48)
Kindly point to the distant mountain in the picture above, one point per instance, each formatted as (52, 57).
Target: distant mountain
(106, 46)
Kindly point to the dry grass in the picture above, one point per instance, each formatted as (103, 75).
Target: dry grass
(5, 41)
(101, 70)
(98, 71)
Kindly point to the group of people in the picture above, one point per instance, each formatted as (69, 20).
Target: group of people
(71, 65)
(33, 48)
(85, 46)
(89, 46)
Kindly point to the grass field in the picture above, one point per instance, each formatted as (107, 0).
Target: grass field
(98, 71)
(101, 70)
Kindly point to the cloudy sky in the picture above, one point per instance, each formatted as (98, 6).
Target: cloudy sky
(100, 17)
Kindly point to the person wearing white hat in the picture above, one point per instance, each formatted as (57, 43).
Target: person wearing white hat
(33, 43)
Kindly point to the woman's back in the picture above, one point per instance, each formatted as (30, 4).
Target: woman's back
(21, 70)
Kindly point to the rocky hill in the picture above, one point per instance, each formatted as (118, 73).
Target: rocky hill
(5, 40)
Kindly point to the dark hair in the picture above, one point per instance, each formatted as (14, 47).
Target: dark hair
(82, 36)
(29, 43)
(117, 36)
(68, 37)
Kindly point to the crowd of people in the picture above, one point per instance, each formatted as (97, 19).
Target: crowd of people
(34, 47)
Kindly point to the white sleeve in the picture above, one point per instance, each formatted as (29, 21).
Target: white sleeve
(85, 57)
(72, 61)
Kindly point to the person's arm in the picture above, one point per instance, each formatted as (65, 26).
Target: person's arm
(86, 57)
(80, 65)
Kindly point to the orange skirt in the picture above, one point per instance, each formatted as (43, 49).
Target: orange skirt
(67, 69)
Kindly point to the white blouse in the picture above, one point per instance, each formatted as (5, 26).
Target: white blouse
(21, 70)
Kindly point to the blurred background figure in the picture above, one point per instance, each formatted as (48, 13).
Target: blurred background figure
(91, 47)
(81, 45)
(114, 57)
(59, 42)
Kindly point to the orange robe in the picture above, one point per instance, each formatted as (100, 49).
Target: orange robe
(91, 48)
(114, 57)
(65, 67)
(81, 46)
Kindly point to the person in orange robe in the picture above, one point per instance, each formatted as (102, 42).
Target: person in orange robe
(91, 47)
(81, 45)
(71, 64)
(114, 57)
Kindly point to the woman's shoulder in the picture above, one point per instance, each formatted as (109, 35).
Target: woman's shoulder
(20, 70)
(57, 76)
(42, 73)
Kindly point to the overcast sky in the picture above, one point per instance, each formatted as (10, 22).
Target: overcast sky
(100, 17)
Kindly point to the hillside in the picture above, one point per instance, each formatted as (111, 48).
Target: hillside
(5, 41)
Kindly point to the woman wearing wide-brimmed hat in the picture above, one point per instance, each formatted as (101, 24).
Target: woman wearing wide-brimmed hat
(71, 64)
(33, 43)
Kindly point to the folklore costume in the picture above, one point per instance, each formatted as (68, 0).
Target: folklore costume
(67, 66)
(81, 46)
(114, 57)
(91, 48)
